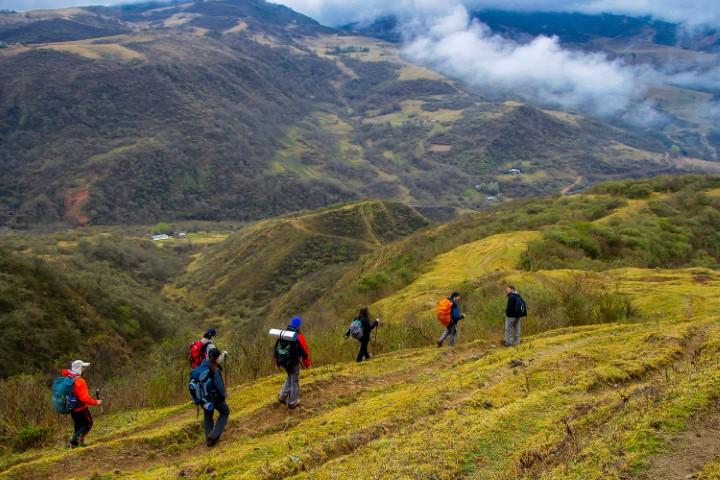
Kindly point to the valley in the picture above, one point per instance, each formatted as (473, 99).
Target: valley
(271, 113)
(170, 169)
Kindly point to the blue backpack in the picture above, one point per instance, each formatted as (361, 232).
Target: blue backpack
(63, 395)
(201, 387)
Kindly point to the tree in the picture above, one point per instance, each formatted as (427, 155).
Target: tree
(162, 227)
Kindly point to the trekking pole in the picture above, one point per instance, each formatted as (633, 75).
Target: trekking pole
(375, 336)
(97, 396)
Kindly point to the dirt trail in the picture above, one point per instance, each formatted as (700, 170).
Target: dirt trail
(695, 446)
(690, 451)
(577, 182)
(317, 397)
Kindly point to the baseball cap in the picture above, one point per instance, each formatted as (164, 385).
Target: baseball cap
(78, 365)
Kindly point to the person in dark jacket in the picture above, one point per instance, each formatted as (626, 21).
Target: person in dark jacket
(367, 328)
(513, 316)
(290, 391)
(214, 429)
(455, 316)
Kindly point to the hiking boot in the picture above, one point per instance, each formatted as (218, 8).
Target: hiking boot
(70, 444)
(439, 344)
(282, 401)
(293, 406)
(210, 442)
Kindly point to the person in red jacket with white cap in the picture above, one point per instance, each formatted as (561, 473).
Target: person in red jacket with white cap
(81, 413)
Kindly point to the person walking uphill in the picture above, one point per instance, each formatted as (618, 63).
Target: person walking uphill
(217, 396)
(289, 355)
(366, 328)
(514, 312)
(198, 351)
(78, 400)
(449, 314)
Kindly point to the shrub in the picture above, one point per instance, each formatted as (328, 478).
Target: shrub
(639, 190)
(32, 437)
(374, 282)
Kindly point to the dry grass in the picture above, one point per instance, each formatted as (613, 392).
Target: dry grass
(112, 52)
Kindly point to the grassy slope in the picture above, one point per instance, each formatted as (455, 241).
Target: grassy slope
(589, 402)
(254, 271)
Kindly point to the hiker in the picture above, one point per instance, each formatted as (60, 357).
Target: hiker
(514, 312)
(199, 350)
(364, 333)
(454, 316)
(289, 355)
(217, 396)
(81, 402)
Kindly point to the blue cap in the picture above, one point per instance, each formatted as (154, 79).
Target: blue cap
(296, 322)
(211, 332)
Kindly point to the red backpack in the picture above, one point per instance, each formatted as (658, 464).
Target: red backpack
(196, 352)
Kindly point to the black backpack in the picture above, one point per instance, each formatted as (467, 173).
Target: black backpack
(521, 307)
(286, 353)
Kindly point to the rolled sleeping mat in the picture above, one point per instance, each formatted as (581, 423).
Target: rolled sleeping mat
(288, 335)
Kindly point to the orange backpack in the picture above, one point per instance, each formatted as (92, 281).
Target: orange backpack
(444, 311)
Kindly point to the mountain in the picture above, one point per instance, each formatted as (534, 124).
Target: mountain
(616, 376)
(685, 102)
(241, 109)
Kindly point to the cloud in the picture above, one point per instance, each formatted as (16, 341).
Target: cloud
(540, 70)
(441, 35)
(335, 12)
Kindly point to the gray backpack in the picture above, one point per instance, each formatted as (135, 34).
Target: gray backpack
(356, 329)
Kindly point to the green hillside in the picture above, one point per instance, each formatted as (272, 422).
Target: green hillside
(245, 275)
(241, 109)
(616, 379)
(616, 376)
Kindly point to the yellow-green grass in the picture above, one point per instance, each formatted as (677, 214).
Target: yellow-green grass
(331, 123)
(103, 51)
(446, 414)
(208, 238)
(413, 72)
(498, 253)
(711, 471)
(412, 110)
(592, 402)
(377, 49)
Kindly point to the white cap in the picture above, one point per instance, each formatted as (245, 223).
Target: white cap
(78, 365)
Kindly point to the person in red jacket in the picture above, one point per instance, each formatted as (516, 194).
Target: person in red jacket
(299, 353)
(81, 414)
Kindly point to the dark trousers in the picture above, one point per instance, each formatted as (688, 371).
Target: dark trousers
(83, 423)
(213, 429)
(363, 353)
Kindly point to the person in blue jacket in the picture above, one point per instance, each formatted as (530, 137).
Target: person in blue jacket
(456, 315)
(214, 429)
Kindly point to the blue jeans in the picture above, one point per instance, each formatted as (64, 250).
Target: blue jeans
(214, 429)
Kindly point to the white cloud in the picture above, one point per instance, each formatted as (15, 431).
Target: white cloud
(689, 12)
(540, 70)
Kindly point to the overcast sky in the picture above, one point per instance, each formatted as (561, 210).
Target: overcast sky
(692, 12)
